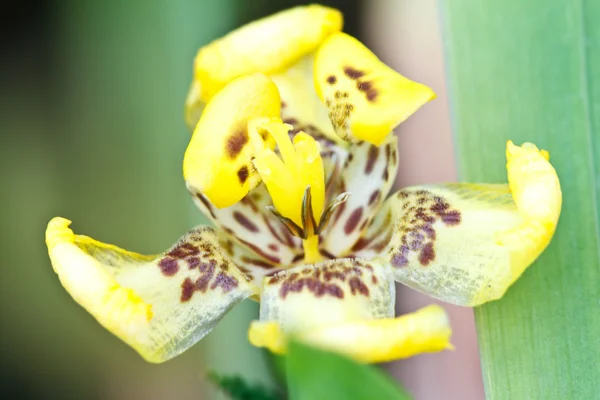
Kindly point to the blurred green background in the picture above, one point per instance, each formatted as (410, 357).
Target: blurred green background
(91, 116)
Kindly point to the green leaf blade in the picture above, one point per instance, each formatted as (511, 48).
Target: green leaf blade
(315, 374)
(530, 71)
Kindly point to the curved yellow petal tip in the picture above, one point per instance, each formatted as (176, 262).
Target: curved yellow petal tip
(268, 45)
(369, 341)
(366, 99)
(268, 335)
(535, 188)
(218, 159)
(119, 309)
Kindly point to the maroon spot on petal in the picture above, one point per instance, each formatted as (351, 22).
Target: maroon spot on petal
(183, 250)
(427, 254)
(400, 259)
(371, 158)
(206, 204)
(327, 254)
(353, 220)
(358, 286)
(297, 257)
(386, 175)
(207, 270)
(353, 73)
(243, 174)
(193, 262)
(360, 244)
(273, 247)
(369, 90)
(271, 258)
(244, 221)
(374, 198)
(331, 79)
(258, 263)
(225, 282)
(236, 142)
(168, 266)
(187, 290)
(451, 217)
(290, 121)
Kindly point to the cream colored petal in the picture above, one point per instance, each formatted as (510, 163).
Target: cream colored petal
(160, 305)
(467, 243)
(368, 176)
(336, 291)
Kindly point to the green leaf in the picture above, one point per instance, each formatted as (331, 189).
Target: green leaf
(530, 71)
(238, 389)
(314, 374)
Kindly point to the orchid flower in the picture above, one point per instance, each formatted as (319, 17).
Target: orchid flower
(292, 158)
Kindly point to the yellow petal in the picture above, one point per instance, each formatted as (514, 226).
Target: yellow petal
(369, 341)
(300, 105)
(366, 99)
(159, 305)
(268, 45)
(217, 161)
(467, 243)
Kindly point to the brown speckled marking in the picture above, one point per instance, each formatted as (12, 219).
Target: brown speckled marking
(245, 222)
(367, 87)
(203, 261)
(271, 258)
(353, 220)
(374, 198)
(236, 142)
(331, 79)
(353, 73)
(183, 250)
(420, 211)
(225, 282)
(168, 266)
(371, 159)
(336, 279)
(206, 204)
(358, 286)
(243, 174)
(257, 263)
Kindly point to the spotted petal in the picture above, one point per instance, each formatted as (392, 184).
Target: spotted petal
(366, 99)
(160, 305)
(344, 305)
(368, 176)
(269, 45)
(263, 240)
(467, 243)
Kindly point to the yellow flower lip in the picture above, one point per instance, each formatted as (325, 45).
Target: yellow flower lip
(267, 45)
(369, 341)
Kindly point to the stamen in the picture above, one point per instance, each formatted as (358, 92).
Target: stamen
(296, 183)
(288, 177)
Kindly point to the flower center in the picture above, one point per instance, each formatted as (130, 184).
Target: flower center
(295, 180)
